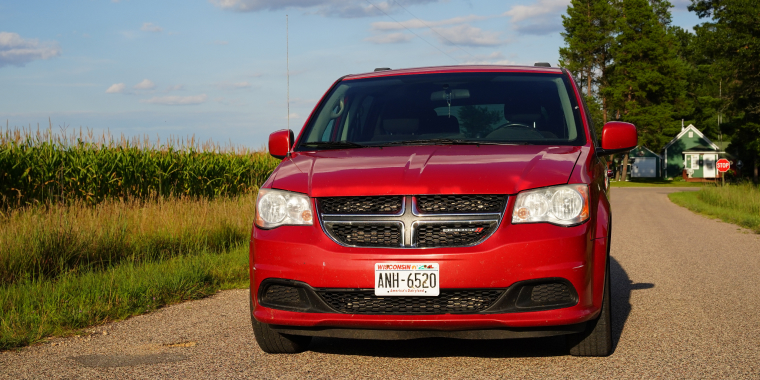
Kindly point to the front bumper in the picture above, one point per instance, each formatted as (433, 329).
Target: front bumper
(514, 253)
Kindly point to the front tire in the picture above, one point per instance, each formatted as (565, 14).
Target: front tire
(597, 339)
(272, 342)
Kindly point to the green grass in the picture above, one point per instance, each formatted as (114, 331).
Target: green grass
(654, 183)
(737, 204)
(33, 309)
(43, 242)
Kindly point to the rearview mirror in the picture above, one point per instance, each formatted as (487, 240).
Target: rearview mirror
(618, 137)
(450, 94)
(280, 143)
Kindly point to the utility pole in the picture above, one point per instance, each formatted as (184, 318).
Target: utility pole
(720, 97)
(287, 64)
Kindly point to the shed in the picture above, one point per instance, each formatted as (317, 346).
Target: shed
(644, 163)
(692, 151)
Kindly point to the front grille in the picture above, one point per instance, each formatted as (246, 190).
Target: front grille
(449, 301)
(366, 235)
(460, 204)
(407, 221)
(361, 205)
(550, 293)
(452, 234)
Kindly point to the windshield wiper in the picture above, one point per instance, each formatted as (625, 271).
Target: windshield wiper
(448, 142)
(333, 144)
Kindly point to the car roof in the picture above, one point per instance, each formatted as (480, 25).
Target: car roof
(456, 69)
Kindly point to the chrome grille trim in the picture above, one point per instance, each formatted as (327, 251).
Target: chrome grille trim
(409, 220)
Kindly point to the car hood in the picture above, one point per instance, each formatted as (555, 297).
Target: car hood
(428, 169)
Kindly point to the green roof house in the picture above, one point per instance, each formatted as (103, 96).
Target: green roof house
(691, 154)
(644, 163)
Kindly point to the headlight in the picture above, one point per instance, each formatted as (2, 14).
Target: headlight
(276, 208)
(564, 205)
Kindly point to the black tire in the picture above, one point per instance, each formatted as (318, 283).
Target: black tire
(273, 342)
(597, 339)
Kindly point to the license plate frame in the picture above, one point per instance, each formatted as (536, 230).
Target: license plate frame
(392, 279)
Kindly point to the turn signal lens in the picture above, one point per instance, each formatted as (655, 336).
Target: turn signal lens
(564, 205)
(276, 208)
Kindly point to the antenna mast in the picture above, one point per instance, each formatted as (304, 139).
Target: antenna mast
(287, 64)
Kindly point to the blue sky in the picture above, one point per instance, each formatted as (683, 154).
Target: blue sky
(216, 68)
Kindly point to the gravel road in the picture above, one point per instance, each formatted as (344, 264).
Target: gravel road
(685, 305)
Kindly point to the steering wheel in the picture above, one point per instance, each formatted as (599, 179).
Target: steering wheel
(511, 125)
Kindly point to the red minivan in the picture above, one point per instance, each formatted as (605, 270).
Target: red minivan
(466, 202)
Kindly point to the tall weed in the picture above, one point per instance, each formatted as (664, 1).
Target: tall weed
(45, 241)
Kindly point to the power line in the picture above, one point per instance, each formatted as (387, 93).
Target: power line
(431, 28)
(411, 31)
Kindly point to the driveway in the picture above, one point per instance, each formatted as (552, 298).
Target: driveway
(685, 305)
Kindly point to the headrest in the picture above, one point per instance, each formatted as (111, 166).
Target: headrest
(401, 126)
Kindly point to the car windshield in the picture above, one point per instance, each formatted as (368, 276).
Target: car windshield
(454, 108)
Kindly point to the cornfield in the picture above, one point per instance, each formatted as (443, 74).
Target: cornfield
(50, 167)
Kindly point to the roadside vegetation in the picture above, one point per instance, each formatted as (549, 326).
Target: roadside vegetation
(96, 230)
(737, 204)
(43, 166)
(655, 182)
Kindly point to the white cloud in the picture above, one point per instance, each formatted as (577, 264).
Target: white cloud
(233, 86)
(18, 51)
(461, 33)
(416, 23)
(116, 88)
(176, 87)
(151, 27)
(495, 58)
(220, 42)
(144, 85)
(390, 38)
(541, 17)
(339, 8)
(680, 5)
(176, 100)
(539, 8)
(467, 35)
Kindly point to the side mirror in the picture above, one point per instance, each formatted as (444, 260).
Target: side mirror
(618, 137)
(280, 143)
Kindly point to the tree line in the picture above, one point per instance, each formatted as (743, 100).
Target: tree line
(633, 65)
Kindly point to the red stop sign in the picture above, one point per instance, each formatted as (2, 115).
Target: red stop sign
(723, 165)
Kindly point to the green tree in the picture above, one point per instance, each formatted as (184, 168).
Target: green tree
(731, 41)
(647, 78)
(589, 33)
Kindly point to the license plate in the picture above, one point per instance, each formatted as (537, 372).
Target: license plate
(394, 279)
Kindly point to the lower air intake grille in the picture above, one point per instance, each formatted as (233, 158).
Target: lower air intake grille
(280, 294)
(366, 235)
(460, 204)
(452, 234)
(550, 293)
(449, 301)
(361, 205)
